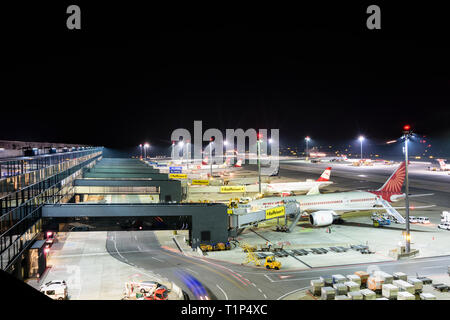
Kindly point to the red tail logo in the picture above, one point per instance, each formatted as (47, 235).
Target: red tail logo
(325, 175)
(395, 182)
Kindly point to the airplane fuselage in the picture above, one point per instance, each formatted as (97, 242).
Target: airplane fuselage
(339, 201)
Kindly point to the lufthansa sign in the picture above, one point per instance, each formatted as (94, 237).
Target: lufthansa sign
(228, 189)
(274, 212)
(177, 176)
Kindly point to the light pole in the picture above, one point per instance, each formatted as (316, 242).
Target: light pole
(225, 143)
(307, 139)
(181, 143)
(259, 161)
(407, 134)
(269, 148)
(361, 139)
(140, 147)
(173, 150)
(146, 145)
(187, 154)
(210, 158)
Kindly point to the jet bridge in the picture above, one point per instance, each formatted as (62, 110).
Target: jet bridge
(207, 221)
(242, 220)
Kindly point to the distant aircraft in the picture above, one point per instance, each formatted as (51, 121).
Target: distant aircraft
(323, 209)
(444, 166)
(289, 187)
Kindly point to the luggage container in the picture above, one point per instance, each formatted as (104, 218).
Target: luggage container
(404, 295)
(338, 278)
(354, 278)
(327, 293)
(425, 280)
(355, 295)
(427, 296)
(342, 298)
(363, 276)
(327, 280)
(400, 276)
(374, 283)
(368, 294)
(389, 291)
(341, 289)
(352, 286)
(404, 286)
(418, 284)
(386, 277)
(316, 287)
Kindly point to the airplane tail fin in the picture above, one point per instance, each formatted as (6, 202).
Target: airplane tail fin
(325, 175)
(205, 161)
(239, 163)
(441, 163)
(395, 182)
(227, 161)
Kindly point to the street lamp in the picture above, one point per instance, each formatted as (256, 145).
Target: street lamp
(173, 150)
(406, 134)
(188, 158)
(260, 136)
(307, 139)
(210, 156)
(140, 146)
(181, 144)
(361, 139)
(225, 143)
(146, 145)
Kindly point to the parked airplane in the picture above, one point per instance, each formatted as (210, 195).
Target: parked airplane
(287, 188)
(323, 209)
(444, 166)
(226, 164)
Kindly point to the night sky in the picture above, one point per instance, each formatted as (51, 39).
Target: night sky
(134, 74)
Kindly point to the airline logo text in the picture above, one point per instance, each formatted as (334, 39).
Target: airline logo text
(227, 189)
(275, 212)
(177, 176)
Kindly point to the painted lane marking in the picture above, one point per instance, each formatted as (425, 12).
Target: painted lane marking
(293, 291)
(224, 293)
(157, 259)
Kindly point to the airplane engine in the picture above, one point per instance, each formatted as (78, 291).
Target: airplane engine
(322, 218)
(397, 197)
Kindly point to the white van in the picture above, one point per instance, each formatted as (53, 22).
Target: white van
(424, 220)
(55, 291)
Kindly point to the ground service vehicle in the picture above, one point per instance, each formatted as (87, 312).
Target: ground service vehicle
(206, 247)
(423, 220)
(271, 263)
(444, 225)
(158, 294)
(55, 291)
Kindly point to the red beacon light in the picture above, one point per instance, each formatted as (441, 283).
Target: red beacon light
(406, 127)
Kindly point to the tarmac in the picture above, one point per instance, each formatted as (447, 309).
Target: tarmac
(91, 273)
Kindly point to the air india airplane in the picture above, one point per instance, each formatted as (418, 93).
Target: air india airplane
(323, 209)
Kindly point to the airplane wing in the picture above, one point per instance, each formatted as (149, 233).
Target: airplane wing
(420, 195)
